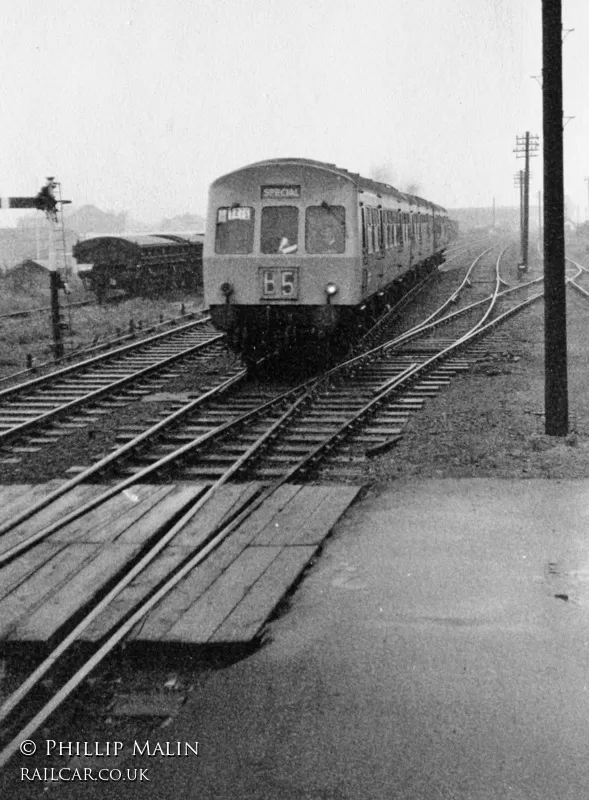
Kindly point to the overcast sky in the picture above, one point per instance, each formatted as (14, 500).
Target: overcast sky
(138, 105)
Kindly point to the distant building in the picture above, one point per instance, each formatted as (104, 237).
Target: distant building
(89, 218)
(30, 275)
(506, 218)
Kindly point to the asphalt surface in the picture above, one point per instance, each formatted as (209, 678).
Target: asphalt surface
(437, 649)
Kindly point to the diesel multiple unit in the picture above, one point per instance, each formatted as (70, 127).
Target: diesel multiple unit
(299, 249)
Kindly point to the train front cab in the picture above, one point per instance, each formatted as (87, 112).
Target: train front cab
(285, 258)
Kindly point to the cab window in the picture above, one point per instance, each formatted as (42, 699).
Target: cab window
(280, 229)
(325, 229)
(235, 230)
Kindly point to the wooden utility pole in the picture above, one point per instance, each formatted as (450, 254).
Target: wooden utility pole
(555, 358)
(524, 148)
(518, 182)
(540, 216)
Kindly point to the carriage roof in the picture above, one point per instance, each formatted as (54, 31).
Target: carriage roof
(361, 183)
(127, 244)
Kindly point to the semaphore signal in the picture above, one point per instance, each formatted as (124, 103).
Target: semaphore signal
(46, 201)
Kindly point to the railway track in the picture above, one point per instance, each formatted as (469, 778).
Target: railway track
(231, 435)
(577, 274)
(74, 396)
(30, 312)
(98, 346)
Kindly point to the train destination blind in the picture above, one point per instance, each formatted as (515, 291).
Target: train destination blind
(280, 192)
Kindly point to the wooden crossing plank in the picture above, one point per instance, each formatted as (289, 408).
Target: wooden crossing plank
(317, 525)
(226, 599)
(227, 499)
(75, 581)
(200, 621)
(12, 491)
(181, 496)
(26, 496)
(250, 615)
(29, 594)
(112, 518)
(86, 583)
(135, 592)
(212, 574)
(187, 591)
(41, 625)
(171, 607)
(59, 508)
(11, 575)
(289, 522)
(273, 505)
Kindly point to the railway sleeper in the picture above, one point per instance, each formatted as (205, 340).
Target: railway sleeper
(190, 435)
(380, 430)
(267, 473)
(61, 398)
(280, 459)
(24, 449)
(307, 430)
(193, 473)
(70, 426)
(90, 380)
(327, 418)
(303, 438)
(337, 402)
(18, 416)
(40, 404)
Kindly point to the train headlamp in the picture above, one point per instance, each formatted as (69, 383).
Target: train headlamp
(226, 289)
(330, 289)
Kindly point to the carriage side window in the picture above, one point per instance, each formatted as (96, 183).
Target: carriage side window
(325, 229)
(390, 237)
(364, 232)
(376, 229)
(235, 230)
(280, 230)
(369, 227)
(381, 230)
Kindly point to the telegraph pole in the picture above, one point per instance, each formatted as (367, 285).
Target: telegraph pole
(540, 216)
(555, 355)
(524, 148)
(518, 182)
